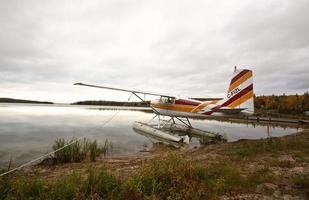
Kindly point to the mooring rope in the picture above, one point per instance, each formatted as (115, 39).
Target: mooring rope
(50, 153)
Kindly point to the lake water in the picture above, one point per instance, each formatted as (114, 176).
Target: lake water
(29, 130)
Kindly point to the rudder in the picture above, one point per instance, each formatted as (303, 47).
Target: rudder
(240, 91)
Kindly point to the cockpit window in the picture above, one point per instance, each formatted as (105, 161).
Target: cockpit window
(167, 100)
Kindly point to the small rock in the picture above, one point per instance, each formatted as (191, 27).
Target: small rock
(270, 186)
(287, 197)
(266, 198)
(298, 170)
(48, 161)
(259, 188)
(277, 194)
(266, 187)
(287, 158)
(277, 173)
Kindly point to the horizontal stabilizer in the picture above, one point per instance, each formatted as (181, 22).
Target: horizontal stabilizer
(230, 111)
(205, 99)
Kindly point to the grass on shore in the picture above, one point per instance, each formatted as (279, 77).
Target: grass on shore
(168, 178)
(298, 147)
(79, 150)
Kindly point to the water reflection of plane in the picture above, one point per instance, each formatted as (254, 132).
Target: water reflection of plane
(238, 101)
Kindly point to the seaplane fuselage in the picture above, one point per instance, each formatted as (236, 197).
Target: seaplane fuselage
(181, 107)
(238, 100)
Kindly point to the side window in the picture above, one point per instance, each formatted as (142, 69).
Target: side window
(168, 100)
(165, 100)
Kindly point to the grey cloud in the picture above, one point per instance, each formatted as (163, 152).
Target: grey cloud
(280, 25)
(273, 38)
(174, 47)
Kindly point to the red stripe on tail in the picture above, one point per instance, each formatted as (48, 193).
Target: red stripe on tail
(238, 76)
(239, 95)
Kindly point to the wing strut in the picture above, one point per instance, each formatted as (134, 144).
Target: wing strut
(145, 102)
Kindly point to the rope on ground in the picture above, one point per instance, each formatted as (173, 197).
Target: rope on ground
(51, 153)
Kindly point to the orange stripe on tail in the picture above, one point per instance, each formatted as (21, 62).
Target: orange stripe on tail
(240, 80)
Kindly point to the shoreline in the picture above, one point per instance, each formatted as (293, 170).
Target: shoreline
(285, 159)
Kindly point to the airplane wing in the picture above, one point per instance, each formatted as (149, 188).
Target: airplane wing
(124, 90)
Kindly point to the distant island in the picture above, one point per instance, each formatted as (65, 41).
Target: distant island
(10, 100)
(112, 103)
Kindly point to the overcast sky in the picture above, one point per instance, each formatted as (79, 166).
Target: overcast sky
(185, 48)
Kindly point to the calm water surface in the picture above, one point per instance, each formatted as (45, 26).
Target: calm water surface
(29, 130)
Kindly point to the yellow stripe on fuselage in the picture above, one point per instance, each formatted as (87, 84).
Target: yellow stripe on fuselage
(203, 105)
(241, 80)
(174, 107)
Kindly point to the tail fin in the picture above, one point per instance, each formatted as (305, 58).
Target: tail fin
(240, 91)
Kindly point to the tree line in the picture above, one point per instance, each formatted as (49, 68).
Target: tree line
(10, 100)
(285, 104)
(112, 103)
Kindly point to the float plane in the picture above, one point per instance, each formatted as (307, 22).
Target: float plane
(238, 101)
